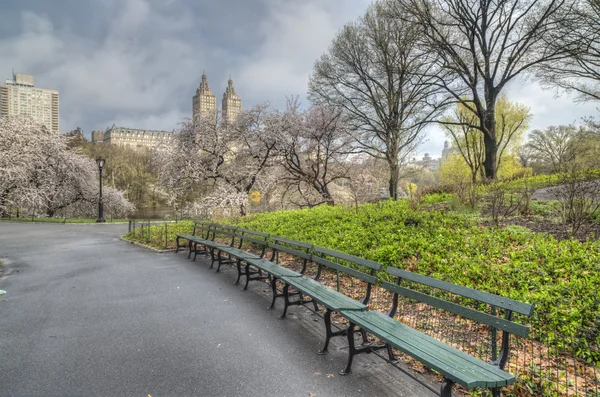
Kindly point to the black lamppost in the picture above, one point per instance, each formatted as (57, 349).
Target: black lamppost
(100, 162)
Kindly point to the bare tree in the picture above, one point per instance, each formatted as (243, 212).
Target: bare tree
(313, 147)
(376, 72)
(579, 73)
(553, 146)
(482, 45)
(579, 195)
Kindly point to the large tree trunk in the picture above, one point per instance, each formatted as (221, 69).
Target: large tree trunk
(490, 164)
(491, 151)
(394, 176)
(327, 196)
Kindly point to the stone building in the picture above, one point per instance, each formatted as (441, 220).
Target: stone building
(427, 163)
(97, 136)
(231, 105)
(204, 103)
(20, 97)
(135, 138)
(447, 151)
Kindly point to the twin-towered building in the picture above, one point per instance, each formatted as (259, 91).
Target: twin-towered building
(204, 103)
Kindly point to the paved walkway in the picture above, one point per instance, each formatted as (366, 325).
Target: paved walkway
(86, 314)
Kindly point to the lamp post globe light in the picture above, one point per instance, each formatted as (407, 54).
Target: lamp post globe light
(100, 162)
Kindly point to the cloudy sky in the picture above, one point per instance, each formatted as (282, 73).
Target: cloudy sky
(137, 63)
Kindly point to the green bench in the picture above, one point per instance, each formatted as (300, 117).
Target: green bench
(332, 300)
(232, 252)
(454, 365)
(274, 271)
(201, 232)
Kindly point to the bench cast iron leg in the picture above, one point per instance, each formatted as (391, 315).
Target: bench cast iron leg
(446, 390)
(195, 250)
(286, 297)
(328, 332)
(247, 276)
(315, 305)
(212, 257)
(274, 290)
(363, 334)
(238, 263)
(220, 260)
(351, 350)
(496, 392)
(392, 356)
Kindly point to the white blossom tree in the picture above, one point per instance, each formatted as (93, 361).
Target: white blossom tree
(39, 171)
(209, 155)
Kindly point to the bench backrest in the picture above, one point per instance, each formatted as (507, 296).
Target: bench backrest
(334, 260)
(224, 232)
(251, 237)
(505, 324)
(339, 261)
(295, 248)
(202, 229)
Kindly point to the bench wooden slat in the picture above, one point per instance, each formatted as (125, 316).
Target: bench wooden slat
(348, 257)
(454, 364)
(476, 315)
(272, 268)
(291, 251)
(225, 227)
(282, 240)
(344, 269)
(225, 233)
(253, 240)
(252, 232)
(495, 300)
(328, 297)
(203, 241)
(238, 253)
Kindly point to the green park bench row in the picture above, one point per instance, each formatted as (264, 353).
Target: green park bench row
(257, 257)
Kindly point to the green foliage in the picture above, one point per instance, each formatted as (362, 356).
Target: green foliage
(545, 208)
(560, 278)
(437, 198)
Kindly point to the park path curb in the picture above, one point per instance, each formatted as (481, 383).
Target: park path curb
(122, 238)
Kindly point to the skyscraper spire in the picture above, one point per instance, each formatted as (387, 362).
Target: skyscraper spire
(204, 103)
(232, 104)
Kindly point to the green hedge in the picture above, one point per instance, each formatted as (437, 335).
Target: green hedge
(561, 278)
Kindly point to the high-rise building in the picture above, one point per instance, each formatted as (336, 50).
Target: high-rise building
(20, 97)
(204, 102)
(231, 105)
